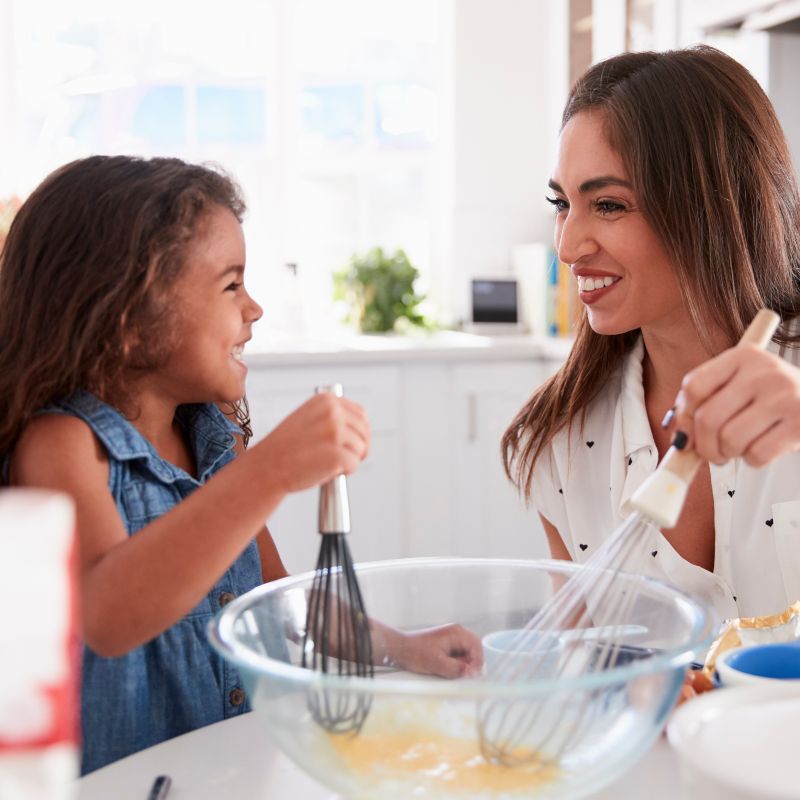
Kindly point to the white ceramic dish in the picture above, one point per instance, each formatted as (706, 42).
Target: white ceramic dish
(739, 743)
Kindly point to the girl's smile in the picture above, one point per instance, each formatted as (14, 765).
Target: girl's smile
(216, 316)
(237, 354)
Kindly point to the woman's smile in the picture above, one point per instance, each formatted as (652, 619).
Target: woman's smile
(592, 287)
(626, 279)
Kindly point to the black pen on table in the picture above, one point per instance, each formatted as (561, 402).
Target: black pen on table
(160, 787)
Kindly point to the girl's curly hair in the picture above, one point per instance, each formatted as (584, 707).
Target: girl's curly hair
(87, 274)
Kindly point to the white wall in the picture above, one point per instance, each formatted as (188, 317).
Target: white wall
(784, 69)
(608, 28)
(509, 78)
(7, 132)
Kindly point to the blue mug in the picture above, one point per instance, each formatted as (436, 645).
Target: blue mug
(766, 662)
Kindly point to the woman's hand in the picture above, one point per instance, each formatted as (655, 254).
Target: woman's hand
(449, 651)
(745, 402)
(695, 683)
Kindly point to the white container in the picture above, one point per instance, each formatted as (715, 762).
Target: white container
(520, 652)
(529, 264)
(738, 744)
(38, 669)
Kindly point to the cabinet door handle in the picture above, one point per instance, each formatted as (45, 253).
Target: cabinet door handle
(472, 418)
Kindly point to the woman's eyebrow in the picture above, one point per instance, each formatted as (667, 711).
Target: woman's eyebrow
(594, 183)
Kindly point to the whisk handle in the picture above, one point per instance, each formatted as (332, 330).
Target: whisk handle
(682, 464)
(662, 495)
(334, 506)
(761, 330)
(685, 463)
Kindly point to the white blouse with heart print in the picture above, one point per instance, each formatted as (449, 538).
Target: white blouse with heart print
(582, 482)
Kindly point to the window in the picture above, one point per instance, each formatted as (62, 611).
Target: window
(326, 114)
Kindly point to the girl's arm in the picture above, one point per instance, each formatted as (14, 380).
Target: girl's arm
(449, 651)
(133, 588)
(272, 566)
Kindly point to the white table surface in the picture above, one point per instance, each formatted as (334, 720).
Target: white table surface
(236, 760)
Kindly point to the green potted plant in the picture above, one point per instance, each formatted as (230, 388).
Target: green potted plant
(379, 289)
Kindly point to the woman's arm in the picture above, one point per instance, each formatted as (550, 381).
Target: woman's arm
(557, 547)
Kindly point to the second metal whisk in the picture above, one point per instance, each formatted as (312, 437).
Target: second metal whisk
(337, 639)
(562, 641)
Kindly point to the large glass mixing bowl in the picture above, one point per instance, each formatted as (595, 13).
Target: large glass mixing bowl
(421, 735)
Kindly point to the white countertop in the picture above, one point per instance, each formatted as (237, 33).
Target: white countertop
(273, 349)
(236, 760)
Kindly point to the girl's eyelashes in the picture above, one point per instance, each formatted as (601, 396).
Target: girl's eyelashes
(558, 203)
(232, 287)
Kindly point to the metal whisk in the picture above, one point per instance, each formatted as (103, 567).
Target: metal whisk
(562, 639)
(337, 638)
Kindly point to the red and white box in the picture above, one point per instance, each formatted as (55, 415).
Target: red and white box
(39, 653)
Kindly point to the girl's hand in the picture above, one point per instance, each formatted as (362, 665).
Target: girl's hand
(745, 402)
(325, 437)
(449, 651)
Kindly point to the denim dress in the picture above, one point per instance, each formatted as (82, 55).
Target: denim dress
(176, 682)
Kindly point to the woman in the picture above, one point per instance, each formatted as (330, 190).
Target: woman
(677, 211)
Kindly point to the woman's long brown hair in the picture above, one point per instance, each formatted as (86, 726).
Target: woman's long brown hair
(713, 176)
(87, 275)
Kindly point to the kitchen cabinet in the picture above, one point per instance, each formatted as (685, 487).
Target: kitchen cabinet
(375, 496)
(433, 484)
(489, 518)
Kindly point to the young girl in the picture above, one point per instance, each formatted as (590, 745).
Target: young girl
(677, 212)
(124, 319)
